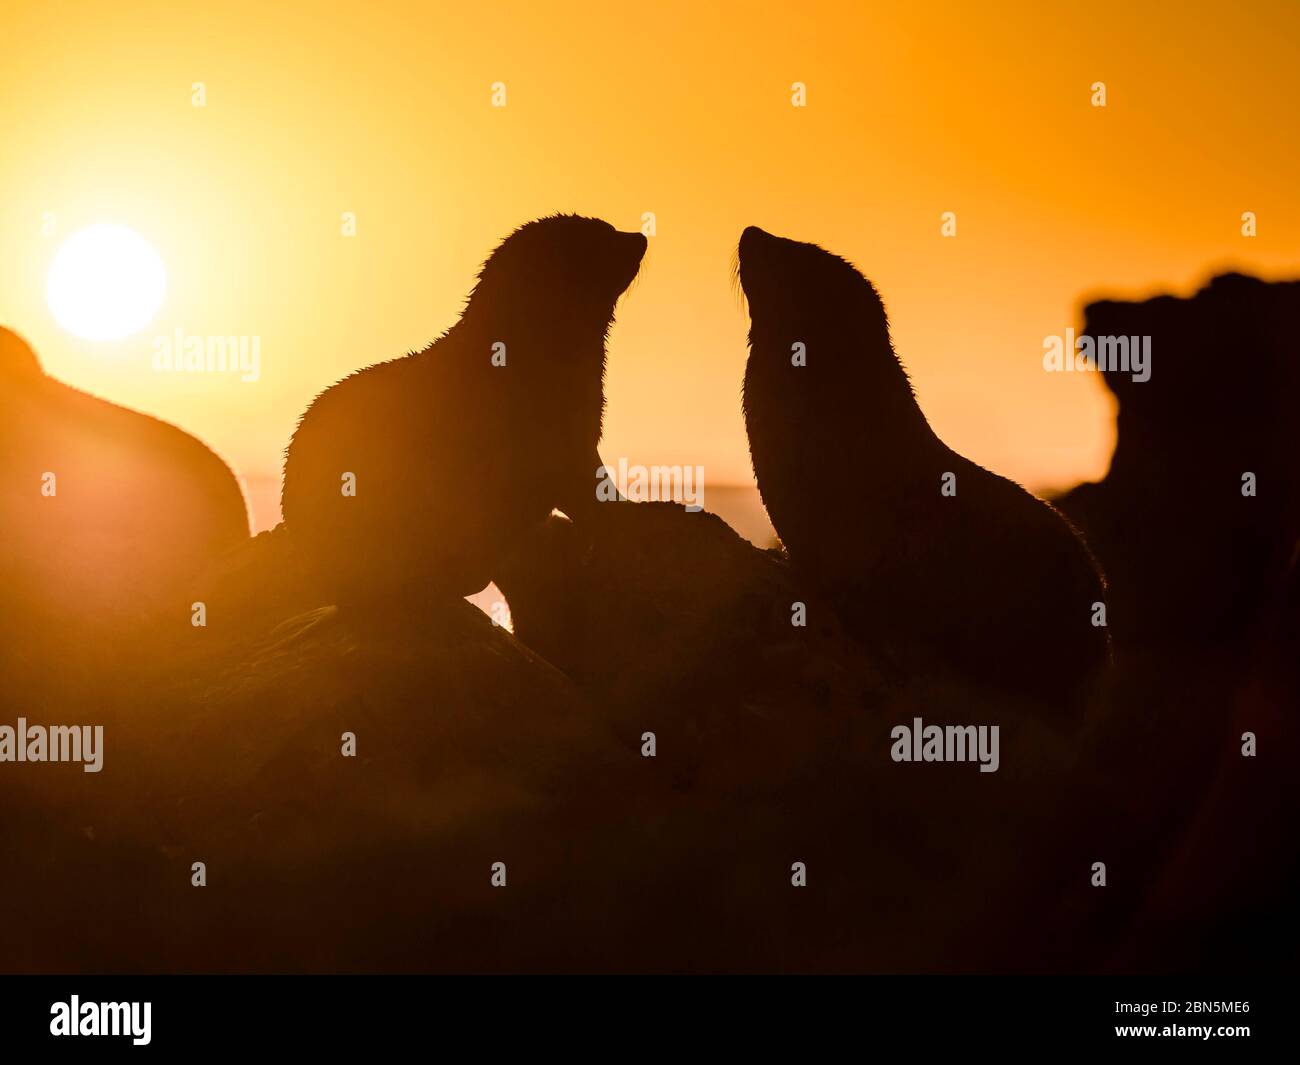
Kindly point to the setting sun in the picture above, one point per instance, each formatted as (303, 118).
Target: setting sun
(106, 283)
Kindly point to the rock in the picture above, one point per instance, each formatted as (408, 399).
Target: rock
(1189, 555)
(105, 514)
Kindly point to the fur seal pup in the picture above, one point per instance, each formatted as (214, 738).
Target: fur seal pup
(104, 512)
(419, 473)
(920, 548)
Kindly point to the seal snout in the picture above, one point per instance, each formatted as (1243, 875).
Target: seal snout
(754, 255)
(753, 239)
(633, 245)
(630, 250)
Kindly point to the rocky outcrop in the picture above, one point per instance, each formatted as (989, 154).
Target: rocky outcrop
(1197, 517)
(106, 515)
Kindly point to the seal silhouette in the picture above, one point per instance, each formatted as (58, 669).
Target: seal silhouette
(921, 549)
(106, 512)
(417, 474)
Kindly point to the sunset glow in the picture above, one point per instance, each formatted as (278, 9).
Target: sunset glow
(249, 142)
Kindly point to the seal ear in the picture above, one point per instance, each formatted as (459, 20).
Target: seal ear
(17, 360)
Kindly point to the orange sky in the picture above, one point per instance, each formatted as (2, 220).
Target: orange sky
(683, 109)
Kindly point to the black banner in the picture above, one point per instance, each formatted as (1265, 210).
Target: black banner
(169, 1014)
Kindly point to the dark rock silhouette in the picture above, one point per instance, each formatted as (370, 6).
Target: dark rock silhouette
(652, 584)
(1189, 557)
(772, 737)
(454, 457)
(471, 749)
(989, 580)
(105, 513)
(1206, 621)
(232, 755)
(1233, 863)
